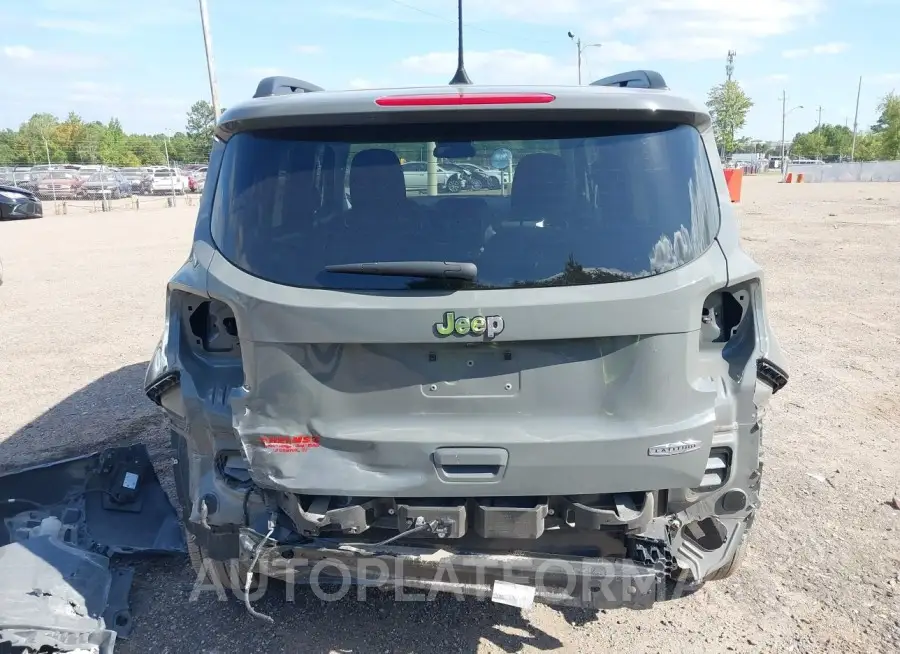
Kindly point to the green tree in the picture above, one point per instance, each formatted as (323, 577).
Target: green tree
(201, 125)
(810, 145)
(728, 105)
(68, 134)
(868, 147)
(88, 148)
(888, 126)
(838, 139)
(37, 139)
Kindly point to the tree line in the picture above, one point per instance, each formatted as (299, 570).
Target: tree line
(729, 104)
(44, 138)
(880, 143)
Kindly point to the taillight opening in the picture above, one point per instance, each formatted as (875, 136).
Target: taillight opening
(464, 98)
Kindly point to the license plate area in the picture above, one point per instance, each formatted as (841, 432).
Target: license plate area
(472, 372)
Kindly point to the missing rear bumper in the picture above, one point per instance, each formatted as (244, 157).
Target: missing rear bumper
(590, 583)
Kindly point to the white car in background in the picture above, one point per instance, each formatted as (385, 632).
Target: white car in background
(165, 180)
(415, 175)
(499, 176)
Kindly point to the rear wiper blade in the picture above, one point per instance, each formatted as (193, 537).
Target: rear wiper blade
(427, 269)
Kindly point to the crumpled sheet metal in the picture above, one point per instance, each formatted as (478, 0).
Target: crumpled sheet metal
(66, 518)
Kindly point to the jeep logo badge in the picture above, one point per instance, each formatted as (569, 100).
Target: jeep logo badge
(487, 326)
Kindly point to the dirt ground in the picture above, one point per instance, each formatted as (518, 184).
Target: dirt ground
(81, 309)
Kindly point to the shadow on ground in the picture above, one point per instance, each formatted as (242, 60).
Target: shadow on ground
(113, 411)
(108, 412)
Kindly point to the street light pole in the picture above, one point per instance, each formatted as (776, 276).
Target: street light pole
(784, 115)
(210, 64)
(581, 49)
(578, 45)
(783, 121)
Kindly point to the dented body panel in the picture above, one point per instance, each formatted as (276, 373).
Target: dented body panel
(568, 416)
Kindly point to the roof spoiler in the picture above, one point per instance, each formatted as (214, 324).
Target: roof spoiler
(283, 86)
(637, 79)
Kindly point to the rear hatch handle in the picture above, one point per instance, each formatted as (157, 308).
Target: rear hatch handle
(468, 464)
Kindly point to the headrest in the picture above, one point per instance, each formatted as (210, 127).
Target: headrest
(376, 178)
(539, 185)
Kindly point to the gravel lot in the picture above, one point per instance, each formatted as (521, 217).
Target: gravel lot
(81, 309)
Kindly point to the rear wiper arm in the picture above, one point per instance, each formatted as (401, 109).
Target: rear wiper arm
(427, 269)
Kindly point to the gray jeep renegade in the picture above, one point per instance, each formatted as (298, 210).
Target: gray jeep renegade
(554, 387)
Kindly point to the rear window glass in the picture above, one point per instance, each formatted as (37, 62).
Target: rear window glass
(542, 204)
(164, 173)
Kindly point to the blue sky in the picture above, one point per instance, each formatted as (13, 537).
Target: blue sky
(144, 62)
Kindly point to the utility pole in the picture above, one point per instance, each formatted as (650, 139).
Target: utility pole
(729, 72)
(210, 64)
(819, 126)
(856, 119)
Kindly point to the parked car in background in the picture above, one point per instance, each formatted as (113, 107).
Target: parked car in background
(415, 174)
(19, 203)
(165, 180)
(111, 185)
(58, 185)
(138, 178)
(491, 176)
(19, 174)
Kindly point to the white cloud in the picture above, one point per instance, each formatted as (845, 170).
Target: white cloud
(78, 26)
(635, 30)
(264, 71)
(22, 57)
(360, 83)
(391, 13)
(638, 31)
(18, 52)
(92, 98)
(693, 30)
(308, 49)
(118, 15)
(834, 47)
(496, 67)
(87, 87)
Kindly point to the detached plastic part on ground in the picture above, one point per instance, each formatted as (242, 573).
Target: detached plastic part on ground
(63, 521)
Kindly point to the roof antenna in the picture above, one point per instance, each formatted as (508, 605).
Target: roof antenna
(460, 77)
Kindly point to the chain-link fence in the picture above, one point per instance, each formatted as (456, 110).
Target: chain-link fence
(79, 166)
(87, 187)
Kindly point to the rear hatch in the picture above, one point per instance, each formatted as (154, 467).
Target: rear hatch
(568, 363)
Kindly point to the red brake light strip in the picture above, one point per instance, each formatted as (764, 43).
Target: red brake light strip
(458, 99)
